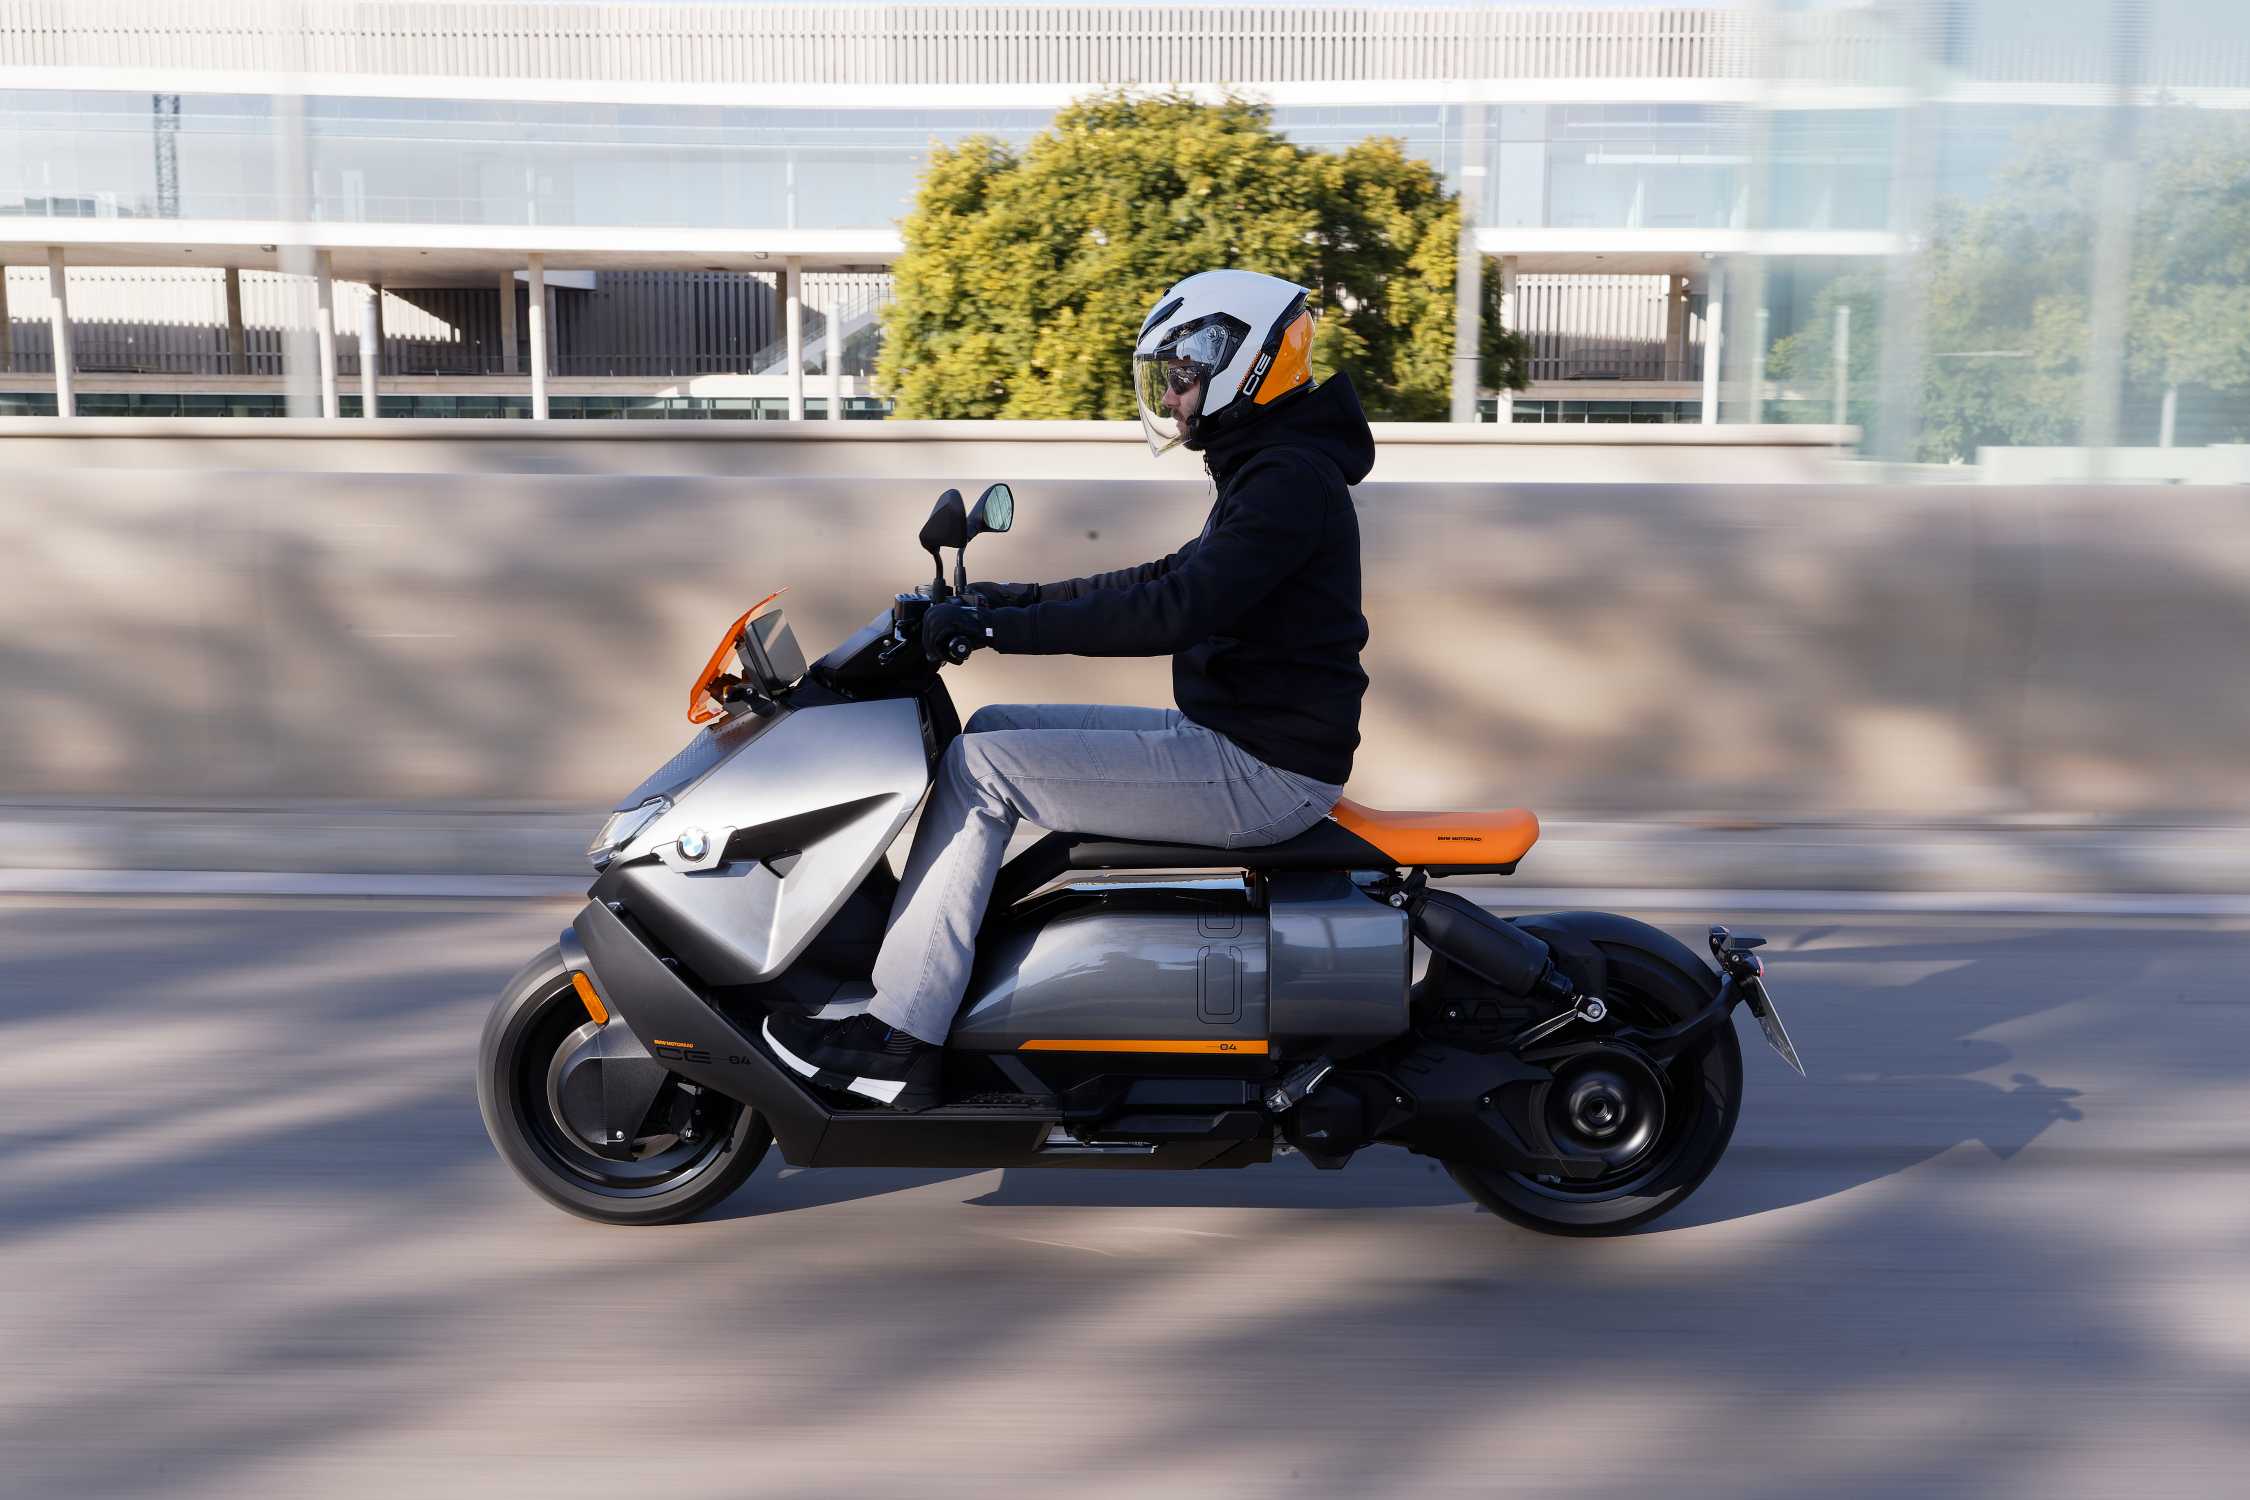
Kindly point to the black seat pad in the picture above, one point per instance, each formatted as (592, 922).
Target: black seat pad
(1326, 845)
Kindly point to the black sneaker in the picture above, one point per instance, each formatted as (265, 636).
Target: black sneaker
(860, 1055)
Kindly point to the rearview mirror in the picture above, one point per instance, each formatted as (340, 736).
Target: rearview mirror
(948, 525)
(995, 510)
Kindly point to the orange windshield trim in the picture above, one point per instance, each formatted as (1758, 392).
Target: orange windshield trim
(703, 705)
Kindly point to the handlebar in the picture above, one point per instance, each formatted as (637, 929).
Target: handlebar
(957, 650)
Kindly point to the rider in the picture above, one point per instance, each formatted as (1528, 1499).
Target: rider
(1260, 615)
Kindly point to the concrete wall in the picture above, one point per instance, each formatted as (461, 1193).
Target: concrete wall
(513, 621)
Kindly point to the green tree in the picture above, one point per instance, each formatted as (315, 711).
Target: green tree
(1503, 353)
(2008, 282)
(1025, 277)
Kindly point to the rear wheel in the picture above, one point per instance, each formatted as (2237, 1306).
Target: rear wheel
(691, 1149)
(1665, 1127)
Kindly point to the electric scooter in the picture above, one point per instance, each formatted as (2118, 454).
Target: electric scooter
(1134, 1005)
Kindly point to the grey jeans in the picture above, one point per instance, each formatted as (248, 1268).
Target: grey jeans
(1137, 773)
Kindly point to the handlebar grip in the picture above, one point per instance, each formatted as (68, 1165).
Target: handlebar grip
(957, 650)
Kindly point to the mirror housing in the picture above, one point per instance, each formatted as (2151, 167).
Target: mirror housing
(948, 526)
(995, 510)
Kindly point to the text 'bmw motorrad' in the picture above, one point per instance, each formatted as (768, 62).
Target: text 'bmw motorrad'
(1576, 1072)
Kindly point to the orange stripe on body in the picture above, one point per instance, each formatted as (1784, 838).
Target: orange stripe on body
(1255, 1047)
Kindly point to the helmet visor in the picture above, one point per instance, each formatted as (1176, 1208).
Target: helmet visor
(1172, 384)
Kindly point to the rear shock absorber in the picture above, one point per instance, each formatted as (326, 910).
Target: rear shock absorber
(1500, 953)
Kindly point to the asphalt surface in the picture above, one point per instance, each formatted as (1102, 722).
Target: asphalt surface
(253, 1242)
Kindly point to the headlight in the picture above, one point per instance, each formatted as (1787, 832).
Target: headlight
(622, 828)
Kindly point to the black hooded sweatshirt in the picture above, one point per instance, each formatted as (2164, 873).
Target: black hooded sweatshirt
(1261, 613)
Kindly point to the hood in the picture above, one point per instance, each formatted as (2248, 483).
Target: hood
(1326, 419)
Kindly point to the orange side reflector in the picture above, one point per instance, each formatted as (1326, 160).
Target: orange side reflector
(589, 999)
(1255, 1048)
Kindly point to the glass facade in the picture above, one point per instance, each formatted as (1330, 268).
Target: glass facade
(1596, 411)
(2069, 277)
(413, 161)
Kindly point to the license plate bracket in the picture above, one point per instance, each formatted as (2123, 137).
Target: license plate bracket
(1760, 1001)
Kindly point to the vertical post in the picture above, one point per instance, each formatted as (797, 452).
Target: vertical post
(2116, 192)
(836, 355)
(1840, 412)
(58, 321)
(1468, 272)
(793, 293)
(2169, 420)
(1675, 327)
(324, 329)
(293, 184)
(375, 296)
(1757, 402)
(537, 308)
(7, 326)
(238, 341)
(509, 363)
(1504, 408)
(1713, 339)
(370, 351)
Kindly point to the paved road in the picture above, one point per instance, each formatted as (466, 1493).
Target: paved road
(253, 1242)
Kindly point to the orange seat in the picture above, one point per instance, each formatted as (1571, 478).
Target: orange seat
(1443, 838)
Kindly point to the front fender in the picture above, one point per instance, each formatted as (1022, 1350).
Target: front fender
(689, 1036)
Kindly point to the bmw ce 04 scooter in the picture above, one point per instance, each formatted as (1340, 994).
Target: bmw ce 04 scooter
(1576, 1072)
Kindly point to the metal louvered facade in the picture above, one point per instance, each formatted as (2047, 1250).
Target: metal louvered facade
(887, 46)
(880, 45)
(649, 324)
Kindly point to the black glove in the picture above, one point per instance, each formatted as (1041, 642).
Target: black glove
(1003, 595)
(952, 630)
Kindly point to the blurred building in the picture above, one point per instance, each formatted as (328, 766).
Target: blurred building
(543, 207)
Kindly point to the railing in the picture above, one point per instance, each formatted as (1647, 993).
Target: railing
(861, 304)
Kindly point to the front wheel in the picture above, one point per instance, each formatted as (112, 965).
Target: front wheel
(1691, 1108)
(693, 1147)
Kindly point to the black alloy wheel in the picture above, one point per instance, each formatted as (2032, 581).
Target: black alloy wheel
(693, 1149)
(1658, 1130)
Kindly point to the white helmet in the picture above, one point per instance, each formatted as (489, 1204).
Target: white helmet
(1220, 346)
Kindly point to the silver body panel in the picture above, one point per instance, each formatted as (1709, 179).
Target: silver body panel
(1341, 963)
(1323, 968)
(863, 762)
(1122, 970)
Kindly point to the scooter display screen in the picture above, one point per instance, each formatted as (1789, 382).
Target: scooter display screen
(769, 652)
(761, 641)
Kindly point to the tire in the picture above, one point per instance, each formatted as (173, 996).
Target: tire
(1656, 981)
(539, 1013)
